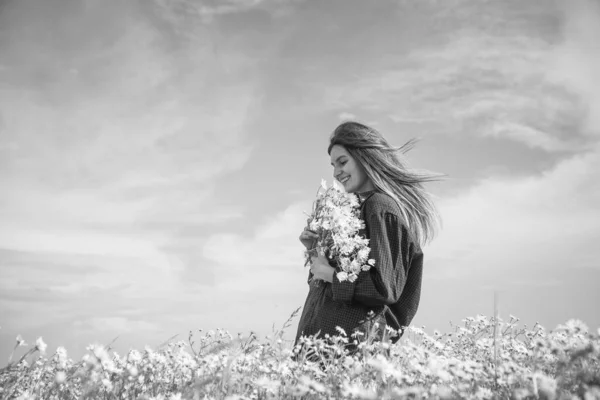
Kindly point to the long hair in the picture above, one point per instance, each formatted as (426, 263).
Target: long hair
(391, 175)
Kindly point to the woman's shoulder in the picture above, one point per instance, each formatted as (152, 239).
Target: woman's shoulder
(381, 206)
(381, 203)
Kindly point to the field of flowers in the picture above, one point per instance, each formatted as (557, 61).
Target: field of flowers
(482, 358)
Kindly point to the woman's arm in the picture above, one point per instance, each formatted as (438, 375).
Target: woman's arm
(383, 283)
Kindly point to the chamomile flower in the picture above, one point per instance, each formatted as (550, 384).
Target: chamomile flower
(21, 341)
(40, 345)
(336, 219)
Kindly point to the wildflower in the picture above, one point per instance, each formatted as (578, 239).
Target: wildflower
(26, 396)
(357, 391)
(546, 386)
(324, 184)
(521, 393)
(437, 368)
(593, 393)
(340, 330)
(444, 392)
(342, 276)
(61, 357)
(40, 345)
(336, 220)
(484, 393)
(134, 356)
(20, 341)
(575, 326)
(60, 377)
(107, 384)
(268, 384)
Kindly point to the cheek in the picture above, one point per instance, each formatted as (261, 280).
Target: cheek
(361, 176)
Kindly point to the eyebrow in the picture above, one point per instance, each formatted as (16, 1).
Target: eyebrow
(337, 159)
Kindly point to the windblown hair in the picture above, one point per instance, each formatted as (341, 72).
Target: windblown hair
(392, 176)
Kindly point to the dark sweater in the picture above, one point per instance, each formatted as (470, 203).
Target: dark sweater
(391, 289)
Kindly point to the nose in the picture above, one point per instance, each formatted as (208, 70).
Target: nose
(337, 172)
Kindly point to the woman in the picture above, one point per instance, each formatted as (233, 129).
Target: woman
(399, 219)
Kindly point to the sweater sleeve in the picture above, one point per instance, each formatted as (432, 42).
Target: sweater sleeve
(383, 283)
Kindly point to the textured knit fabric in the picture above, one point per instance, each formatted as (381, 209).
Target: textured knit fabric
(391, 289)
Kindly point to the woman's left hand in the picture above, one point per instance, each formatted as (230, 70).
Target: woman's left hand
(320, 268)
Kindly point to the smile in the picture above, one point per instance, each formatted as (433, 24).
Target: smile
(344, 180)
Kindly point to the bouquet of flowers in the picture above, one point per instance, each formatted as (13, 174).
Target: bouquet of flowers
(336, 220)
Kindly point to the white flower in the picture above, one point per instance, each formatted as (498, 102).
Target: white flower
(576, 326)
(336, 219)
(363, 253)
(267, 384)
(314, 225)
(107, 384)
(40, 345)
(340, 330)
(484, 393)
(60, 377)
(338, 186)
(342, 276)
(61, 357)
(134, 356)
(26, 396)
(20, 341)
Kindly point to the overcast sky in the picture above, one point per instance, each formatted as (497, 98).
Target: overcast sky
(156, 157)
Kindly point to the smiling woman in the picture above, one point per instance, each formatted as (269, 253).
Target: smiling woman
(399, 218)
(348, 171)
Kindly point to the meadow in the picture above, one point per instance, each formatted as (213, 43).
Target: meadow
(480, 358)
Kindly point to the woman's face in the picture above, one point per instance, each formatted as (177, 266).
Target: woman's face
(348, 171)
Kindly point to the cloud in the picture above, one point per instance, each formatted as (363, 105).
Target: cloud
(345, 116)
(576, 59)
(113, 324)
(207, 11)
(130, 133)
(115, 131)
(274, 244)
(507, 230)
(262, 270)
(513, 74)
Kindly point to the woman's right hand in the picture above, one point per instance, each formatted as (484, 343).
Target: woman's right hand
(308, 238)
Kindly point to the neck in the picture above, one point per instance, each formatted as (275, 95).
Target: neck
(363, 194)
(367, 187)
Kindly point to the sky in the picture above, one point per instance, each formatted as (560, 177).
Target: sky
(157, 157)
